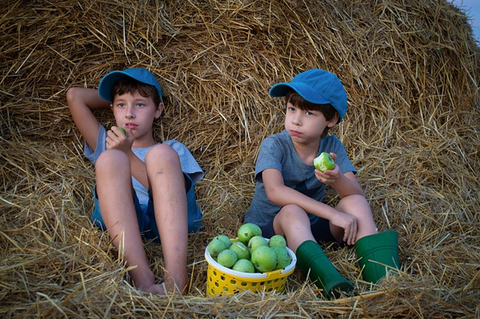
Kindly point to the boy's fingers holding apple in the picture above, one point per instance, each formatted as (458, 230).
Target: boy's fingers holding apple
(123, 131)
(128, 133)
(119, 138)
(117, 131)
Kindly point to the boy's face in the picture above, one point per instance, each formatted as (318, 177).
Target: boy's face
(136, 112)
(306, 126)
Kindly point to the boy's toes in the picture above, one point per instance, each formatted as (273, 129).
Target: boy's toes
(158, 289)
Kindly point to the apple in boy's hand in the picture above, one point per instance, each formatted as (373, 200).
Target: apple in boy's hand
(121, 130)
(324, 162)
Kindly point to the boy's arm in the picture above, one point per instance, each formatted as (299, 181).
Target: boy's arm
(344, 184)
(281, 195)
(81, 103)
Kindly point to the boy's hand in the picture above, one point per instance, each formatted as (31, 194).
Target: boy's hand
(116, 139)
(349, 225)
(329, 177)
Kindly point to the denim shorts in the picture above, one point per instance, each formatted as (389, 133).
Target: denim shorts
(320, 231)
(146, 220)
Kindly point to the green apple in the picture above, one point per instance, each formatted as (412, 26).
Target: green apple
(324, 162)
(255, 242)
(247, 231)
(264, 259)
(225, 239)
(240, 249)
(277, 240)
(244, 265)
(215, 247)
(227, 258)
(283, 258)
(123, 131)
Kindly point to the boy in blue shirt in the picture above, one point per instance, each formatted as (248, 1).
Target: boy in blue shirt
(289, 190)
(144, 189)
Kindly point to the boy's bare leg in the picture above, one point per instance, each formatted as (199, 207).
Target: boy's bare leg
(167, 184)
(357, 206)
(293, 223)
(114, 190)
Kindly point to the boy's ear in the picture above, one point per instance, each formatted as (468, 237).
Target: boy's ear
(334, 120)
(159, 110)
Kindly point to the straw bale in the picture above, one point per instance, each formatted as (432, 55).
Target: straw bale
(412, 73)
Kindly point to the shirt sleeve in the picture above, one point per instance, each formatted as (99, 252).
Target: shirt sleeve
(270, 156)
(187, 161)
(93, 155)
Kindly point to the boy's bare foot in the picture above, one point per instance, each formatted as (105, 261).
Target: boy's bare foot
(176, 284)
(162, 289)
(158, 289)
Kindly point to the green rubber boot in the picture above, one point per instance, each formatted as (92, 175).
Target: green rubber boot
(312, 260)
(378, 255)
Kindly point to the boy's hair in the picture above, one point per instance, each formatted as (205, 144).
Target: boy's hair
(326, 109)
(129, 85)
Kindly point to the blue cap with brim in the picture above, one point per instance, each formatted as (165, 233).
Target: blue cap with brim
(318, 87)
(141, 75)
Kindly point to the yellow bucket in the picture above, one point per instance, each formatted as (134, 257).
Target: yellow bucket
(225, 281)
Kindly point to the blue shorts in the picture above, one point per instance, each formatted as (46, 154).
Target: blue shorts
(320, 230)
(146, 220)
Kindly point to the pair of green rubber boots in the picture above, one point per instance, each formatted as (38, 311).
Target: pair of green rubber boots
(378, 254)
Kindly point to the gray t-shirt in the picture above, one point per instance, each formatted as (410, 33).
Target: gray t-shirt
(277, 152)
(187, 161)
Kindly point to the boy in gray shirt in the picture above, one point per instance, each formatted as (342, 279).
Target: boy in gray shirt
(289, 190)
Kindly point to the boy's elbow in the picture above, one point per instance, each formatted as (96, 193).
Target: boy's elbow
(272, 194)
(71, 94)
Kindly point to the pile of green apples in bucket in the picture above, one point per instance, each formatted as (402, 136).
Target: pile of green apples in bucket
(250, 252)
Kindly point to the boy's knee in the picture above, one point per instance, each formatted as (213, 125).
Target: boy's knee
(355, 202)
(112, 159)
(292, 212)
(291, 218)
(72, 94)
(162, 154)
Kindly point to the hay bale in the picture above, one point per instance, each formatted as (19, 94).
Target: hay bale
(411, 70)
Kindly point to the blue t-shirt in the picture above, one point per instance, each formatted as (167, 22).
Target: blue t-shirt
(277, 152)
(187, 161)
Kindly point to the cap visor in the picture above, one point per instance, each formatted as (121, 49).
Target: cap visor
(281, 89)
(106, 84)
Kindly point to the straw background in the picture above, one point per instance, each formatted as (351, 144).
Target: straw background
(411, 70)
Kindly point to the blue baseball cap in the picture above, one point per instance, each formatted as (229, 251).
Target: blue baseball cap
(141, 75)
(318, 87)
